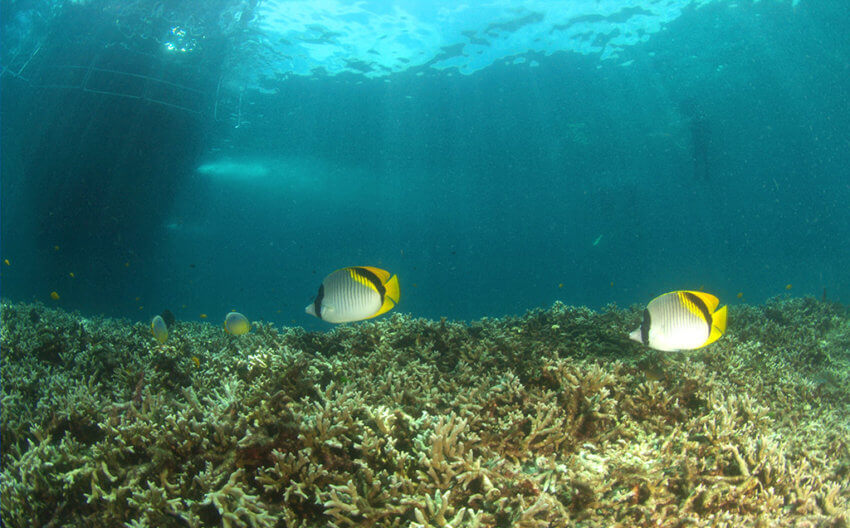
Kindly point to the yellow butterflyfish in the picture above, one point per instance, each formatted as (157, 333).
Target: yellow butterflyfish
(355, 293)
(159, 329)
(236, 324)
(681, 320)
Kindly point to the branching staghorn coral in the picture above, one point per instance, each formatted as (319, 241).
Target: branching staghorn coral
(550, 419)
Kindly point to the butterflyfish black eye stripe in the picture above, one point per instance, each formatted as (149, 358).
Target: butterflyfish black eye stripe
(317, 304)
(644, 327)
(706, 315)
(371, 277)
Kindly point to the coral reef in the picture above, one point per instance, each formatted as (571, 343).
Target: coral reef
(550, 419)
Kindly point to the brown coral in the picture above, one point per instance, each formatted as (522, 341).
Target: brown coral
(550, 419)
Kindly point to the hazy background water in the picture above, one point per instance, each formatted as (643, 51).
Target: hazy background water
(604, 154)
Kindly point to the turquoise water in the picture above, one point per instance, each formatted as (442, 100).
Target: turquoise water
(497, 158)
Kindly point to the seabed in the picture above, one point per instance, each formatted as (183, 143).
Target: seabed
(550, 419)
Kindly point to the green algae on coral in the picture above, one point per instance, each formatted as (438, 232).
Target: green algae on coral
(549, 419)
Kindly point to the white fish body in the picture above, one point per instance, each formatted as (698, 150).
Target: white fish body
(354, 294)
(681, 320)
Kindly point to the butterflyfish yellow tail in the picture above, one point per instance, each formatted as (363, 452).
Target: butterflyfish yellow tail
(393, 290)
(718, 325)
(392, 293)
